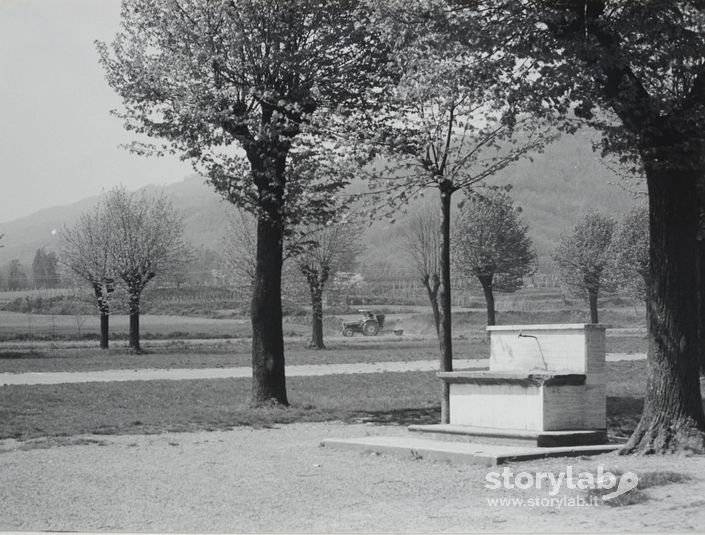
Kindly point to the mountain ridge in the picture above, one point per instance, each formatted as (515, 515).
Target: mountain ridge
(555, 188)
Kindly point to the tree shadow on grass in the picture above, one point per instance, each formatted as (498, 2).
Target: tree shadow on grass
(425, 415)
(16, 355)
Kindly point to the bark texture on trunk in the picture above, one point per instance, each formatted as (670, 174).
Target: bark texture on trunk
(134, 336)
(701, 296)
(673, 419)
(487, 288)
(104, 329)
(432, 284)
(592, 299)
(445, 331)
(316, 276)
(104, 308)
(317, 320)
(268, 375)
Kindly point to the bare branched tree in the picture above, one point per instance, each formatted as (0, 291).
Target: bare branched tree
(85, 250)
(583, 258)
(421, 238)
(327, 250)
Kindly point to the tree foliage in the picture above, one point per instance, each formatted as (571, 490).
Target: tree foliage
(85, 250)
(629, 253)
(492, 244)
(583, 257)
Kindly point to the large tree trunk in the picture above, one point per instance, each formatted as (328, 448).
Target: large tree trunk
(104, 329)
(268, 376)
(486, 283)
(445, 333)
(432, 290)
(592, 299)
(317, 319)
(701, 300)
(673, 418)
(134, 336)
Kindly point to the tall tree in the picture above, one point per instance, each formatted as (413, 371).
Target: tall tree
(240, 87)
(634, 70)
(583, 258)
(421, 240)
(85, 250)
(445, 125)
(327, 250)
(146, 241)
(493, 245)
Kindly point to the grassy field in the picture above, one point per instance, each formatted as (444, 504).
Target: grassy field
(413, 320)
(164, 406)
(237, 352)
(228, 354)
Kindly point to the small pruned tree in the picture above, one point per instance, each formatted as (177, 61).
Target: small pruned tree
(421, 239)
(493, 244)
(85, 250)
(325, 251)
(147, 240)
(583, 258)
(629, 253)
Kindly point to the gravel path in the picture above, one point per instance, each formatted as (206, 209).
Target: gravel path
(308, 370)
(152, 374)
(278, 480)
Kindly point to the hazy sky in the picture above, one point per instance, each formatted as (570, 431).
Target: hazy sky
(58, 142)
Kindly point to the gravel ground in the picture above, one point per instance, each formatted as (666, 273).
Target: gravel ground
(280, 479)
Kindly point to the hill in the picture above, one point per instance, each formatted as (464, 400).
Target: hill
(555, 189)
(202, 209)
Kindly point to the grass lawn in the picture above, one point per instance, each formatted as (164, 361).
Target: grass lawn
(161, 406)
(232, 353)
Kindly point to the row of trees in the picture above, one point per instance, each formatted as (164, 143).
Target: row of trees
(266, 98)
(126, 239)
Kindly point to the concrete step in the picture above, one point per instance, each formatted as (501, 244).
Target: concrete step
(459, 452)
(516, 437)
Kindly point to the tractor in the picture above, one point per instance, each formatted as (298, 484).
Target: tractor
(369, 325)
